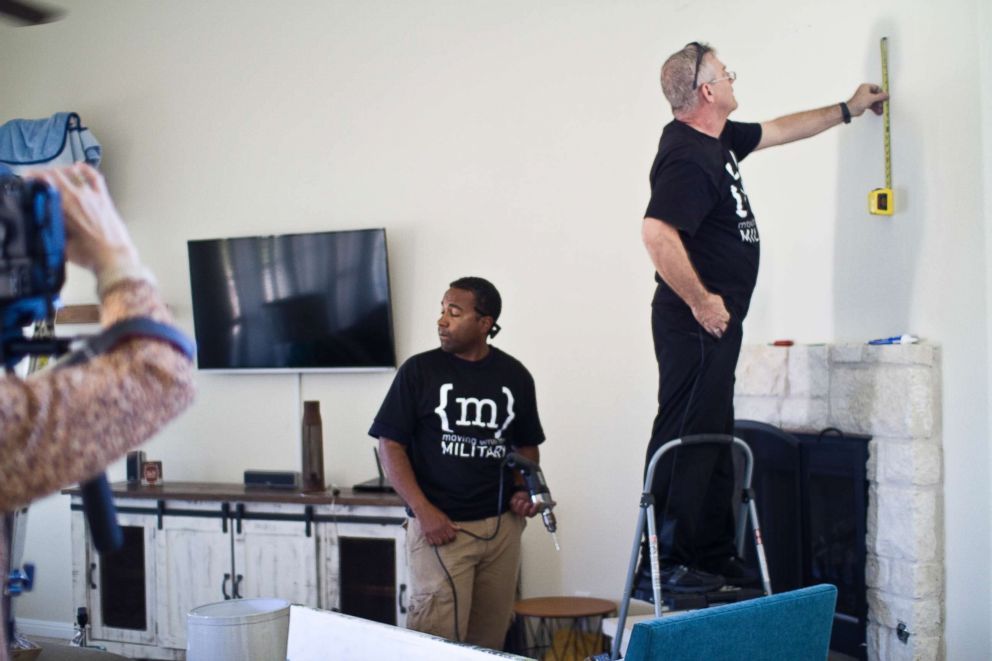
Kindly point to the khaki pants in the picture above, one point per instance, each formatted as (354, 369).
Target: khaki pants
(484, 575)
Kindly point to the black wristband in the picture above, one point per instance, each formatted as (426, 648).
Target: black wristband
(845, 112)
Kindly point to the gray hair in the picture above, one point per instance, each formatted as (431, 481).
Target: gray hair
(679, 72)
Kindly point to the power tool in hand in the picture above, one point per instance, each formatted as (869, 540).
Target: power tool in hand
(540, 495)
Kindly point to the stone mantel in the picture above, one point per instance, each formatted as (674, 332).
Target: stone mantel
(892, 393)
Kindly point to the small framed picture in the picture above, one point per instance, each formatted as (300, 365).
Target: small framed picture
(151, 473)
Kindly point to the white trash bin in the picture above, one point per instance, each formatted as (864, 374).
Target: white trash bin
(238, 630)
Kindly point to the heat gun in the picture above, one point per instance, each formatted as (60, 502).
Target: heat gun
(540, 495)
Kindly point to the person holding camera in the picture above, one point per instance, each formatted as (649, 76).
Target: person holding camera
(58, 427)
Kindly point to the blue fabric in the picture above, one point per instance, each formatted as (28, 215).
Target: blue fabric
(792, 625)
(58, 140)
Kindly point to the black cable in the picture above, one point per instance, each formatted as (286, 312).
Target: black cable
(454, 592)
(499, 508)
(499, 520)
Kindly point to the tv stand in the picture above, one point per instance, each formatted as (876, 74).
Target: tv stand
(191, 543)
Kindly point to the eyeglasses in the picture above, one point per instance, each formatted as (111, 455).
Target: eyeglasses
(731, 76)
(700, 52)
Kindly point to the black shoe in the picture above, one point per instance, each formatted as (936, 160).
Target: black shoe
(734, 570)
(642, 584)
(678, 579)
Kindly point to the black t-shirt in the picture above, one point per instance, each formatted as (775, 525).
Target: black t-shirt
(458, 419)
(696, 186)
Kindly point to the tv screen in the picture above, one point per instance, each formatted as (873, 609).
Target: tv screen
(297, 302)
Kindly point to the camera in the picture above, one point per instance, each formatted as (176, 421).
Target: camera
(32, 256)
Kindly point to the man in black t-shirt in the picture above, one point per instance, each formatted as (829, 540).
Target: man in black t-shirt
(700, 232)
(444, 429)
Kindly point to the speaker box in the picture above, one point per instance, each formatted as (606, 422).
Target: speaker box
(134, 460)
(273, 479)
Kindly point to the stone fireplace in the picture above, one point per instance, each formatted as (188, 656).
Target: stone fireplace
(891, 393)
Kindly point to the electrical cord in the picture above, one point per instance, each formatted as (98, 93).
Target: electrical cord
(454, 592)
(444, 568)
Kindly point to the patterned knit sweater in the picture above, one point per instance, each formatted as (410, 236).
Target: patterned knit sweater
(65, 426)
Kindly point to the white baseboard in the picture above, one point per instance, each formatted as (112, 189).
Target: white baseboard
(45, 628)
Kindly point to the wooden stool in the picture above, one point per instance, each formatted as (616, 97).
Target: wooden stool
(549, 637)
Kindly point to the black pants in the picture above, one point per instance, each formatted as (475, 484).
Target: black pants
(693, 485)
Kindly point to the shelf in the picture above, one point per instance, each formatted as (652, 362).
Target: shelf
(215, 491)
(78, 314)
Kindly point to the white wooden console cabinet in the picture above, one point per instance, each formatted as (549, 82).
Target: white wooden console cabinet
(189, 544)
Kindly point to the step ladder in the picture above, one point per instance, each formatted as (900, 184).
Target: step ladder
(646, 517)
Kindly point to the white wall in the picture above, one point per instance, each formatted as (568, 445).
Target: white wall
(985, 26)
(512, 140)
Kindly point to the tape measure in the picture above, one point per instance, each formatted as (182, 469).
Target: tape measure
(881, 201)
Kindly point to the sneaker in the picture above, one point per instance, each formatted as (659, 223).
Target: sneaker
(679, 579)
(734, 570)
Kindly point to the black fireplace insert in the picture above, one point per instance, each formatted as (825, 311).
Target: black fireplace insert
(811, 490)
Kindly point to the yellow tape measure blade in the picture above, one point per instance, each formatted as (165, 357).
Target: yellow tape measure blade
(881, 201)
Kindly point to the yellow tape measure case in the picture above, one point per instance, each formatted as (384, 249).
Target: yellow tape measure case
(881, 202)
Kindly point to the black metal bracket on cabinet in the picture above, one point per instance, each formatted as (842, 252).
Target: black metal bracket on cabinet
(225, 514)
(308, 518)
(240, 509)
(160, 511)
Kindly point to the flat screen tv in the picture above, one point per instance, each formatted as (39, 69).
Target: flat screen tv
(293, 303)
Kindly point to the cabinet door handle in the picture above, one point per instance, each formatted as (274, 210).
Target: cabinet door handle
(237, 587)
(89, 576)
(399, 599)
(308, 518)
(223, 586)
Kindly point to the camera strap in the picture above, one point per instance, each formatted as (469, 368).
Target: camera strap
(98, 502)
(124, 330)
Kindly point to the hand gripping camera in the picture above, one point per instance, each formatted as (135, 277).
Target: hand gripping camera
(32, 272)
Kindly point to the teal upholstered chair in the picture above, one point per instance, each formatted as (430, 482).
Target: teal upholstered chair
(791, 626)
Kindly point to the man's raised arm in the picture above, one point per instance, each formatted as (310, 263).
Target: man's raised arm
(808, 123)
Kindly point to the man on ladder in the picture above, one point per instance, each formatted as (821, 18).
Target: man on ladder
(703, 241)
